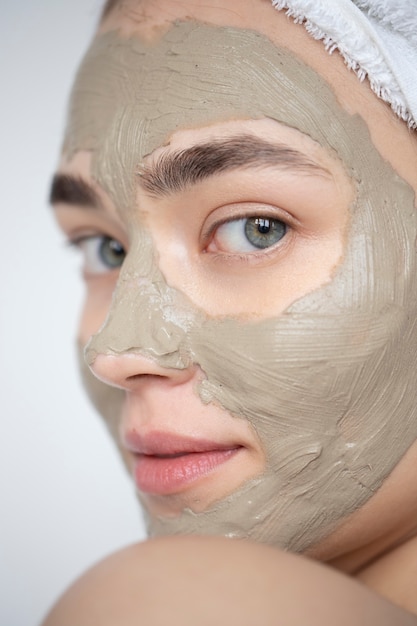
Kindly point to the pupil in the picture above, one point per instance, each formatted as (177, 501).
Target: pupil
(264, 232)
(115, 247)
(264, 225)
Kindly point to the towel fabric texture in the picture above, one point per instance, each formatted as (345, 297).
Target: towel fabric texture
(377, 38)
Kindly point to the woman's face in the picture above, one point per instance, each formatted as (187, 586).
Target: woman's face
(248, 257)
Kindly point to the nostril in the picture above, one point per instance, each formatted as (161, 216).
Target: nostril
(129, 370)
(137, 377)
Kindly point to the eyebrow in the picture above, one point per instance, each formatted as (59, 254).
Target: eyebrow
(73, 190)
(173, 172)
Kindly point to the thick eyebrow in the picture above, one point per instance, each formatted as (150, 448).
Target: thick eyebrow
(174, 171)
(73, 190)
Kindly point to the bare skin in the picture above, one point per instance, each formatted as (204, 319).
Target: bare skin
(210, 581)
(191, 578)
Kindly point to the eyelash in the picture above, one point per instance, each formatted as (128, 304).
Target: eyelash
(95, 264)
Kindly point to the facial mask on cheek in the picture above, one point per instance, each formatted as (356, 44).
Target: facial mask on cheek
(329, 385)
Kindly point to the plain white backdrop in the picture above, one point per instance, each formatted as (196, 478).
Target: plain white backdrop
(65, 498)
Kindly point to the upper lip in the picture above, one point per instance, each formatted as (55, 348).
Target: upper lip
(158, 443)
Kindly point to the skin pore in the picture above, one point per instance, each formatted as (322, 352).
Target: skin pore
(200, 284)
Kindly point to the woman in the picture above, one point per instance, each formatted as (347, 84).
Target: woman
(245, 206)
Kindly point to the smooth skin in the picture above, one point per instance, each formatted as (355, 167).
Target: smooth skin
(189, 580)
(212, 581)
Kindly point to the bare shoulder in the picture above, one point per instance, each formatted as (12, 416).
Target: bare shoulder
(213, 581)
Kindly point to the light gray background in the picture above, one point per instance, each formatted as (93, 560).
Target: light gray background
(65, 499)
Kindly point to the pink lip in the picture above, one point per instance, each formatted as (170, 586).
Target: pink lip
(165, 463)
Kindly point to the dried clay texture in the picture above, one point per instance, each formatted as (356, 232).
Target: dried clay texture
(329, 384)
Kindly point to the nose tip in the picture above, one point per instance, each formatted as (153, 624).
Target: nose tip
(126, 371)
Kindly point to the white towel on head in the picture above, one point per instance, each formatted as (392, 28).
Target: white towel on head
(377, 38)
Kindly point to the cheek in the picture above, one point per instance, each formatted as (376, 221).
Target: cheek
(97, 303)
(268, 292)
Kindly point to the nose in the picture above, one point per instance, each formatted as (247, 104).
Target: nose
(146, 333)
(129, 371)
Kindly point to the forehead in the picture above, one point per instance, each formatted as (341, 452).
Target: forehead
(196, 74)
(129, 96)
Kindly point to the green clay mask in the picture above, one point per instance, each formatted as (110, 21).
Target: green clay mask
(329, 384)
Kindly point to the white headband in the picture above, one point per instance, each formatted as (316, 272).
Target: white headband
(377, 38)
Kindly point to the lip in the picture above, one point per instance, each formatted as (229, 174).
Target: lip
(165, 464)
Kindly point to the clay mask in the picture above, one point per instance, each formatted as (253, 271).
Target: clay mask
(330, 383)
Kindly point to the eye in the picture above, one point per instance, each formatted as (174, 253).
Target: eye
(249, 234)
(101, 253)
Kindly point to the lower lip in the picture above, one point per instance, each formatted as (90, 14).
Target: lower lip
(169, 475)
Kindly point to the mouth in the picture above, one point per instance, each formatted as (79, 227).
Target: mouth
(165, 464)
